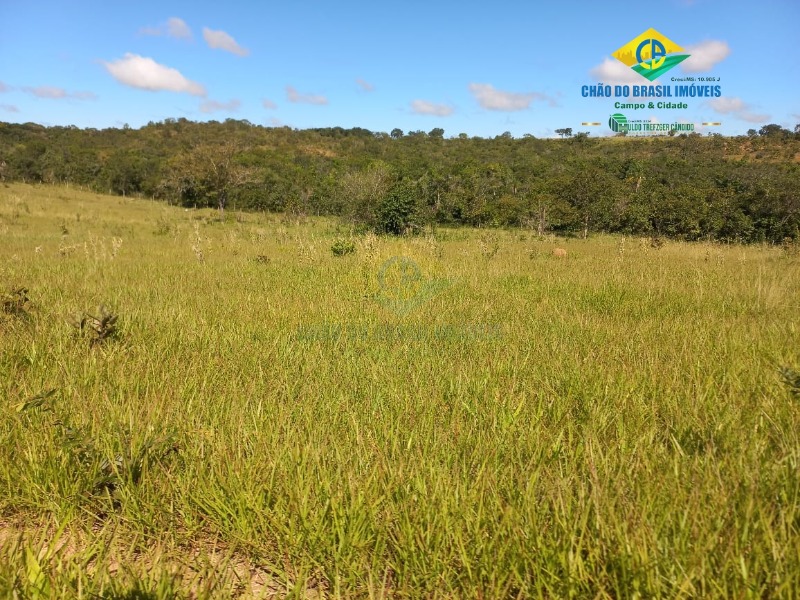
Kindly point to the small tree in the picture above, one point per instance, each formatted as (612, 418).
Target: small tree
(398, 211)
(361, 192)
(564, 132)
(208, 174)
(773, 130)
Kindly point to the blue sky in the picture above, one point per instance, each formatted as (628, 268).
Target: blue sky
(480, 68)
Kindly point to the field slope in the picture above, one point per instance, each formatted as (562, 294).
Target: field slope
(457, 415)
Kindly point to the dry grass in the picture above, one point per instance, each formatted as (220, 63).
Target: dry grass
(478, 419)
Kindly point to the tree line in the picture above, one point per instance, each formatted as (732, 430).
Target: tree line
(744, 188)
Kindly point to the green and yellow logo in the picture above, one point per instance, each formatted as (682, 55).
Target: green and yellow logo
(618, 122)
(651, 54)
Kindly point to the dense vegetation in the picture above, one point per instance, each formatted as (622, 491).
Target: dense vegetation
(269, 407)
(689, 187)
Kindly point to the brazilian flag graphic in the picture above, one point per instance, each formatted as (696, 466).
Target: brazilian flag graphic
(651, 54)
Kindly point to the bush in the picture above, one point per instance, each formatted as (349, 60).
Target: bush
(15, 301)
(99, 328)
(398, 212)
(342, 246)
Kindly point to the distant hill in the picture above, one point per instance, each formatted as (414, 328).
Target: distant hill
(744, 188)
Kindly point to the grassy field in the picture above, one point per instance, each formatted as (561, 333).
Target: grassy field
(458, 415)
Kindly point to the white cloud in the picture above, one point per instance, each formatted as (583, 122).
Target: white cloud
(222, 41)
(423, 107)
(705, 56)
(365, 85)
(174, 27)
(268, 104)
(292, 95)
(146, 74)
(4, 87)
(46, 91)
(9, 108)
(751, 117)
(493, 99)
(727, 105)
(178, 28)
(210, 106)
(57, 93)
(613, 72)
(737, 108)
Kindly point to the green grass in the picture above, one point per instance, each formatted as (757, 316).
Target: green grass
(271, 420)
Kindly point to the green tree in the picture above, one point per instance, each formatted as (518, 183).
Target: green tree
(589, 189)
(207, 175)
(398, 212)
(773, 130)
(125, 172)
(362, 192)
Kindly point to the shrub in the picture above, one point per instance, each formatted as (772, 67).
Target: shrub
(791, 378)
(99, 328)
(791, 246)
(490, 244)
(15, 302)
(163, 227)
(342, 246)
(398, 213)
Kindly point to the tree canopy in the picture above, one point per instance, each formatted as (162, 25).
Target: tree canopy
(687, 186)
